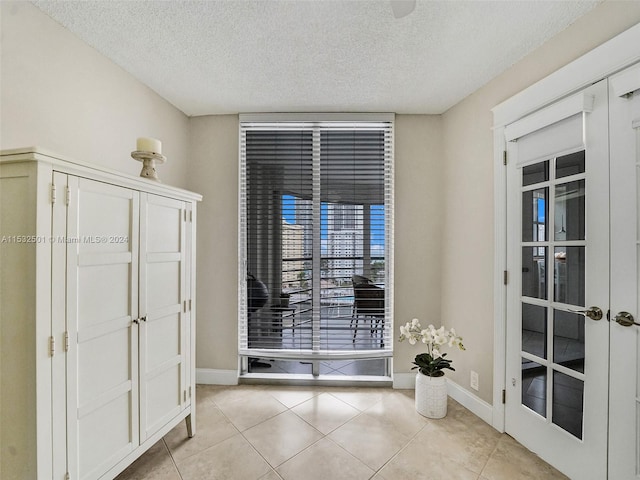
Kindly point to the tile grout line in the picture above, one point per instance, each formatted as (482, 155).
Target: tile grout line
(360, 412)
(490, 455)
(324, 435)
(241, 433)
(173, 460)
(404, 447)
(288, 409)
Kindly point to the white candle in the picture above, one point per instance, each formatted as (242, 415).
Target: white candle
(149, 145)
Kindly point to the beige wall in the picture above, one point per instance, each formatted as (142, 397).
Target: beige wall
(418, 225)
(214, 162)
(468, 234)
(58, 93)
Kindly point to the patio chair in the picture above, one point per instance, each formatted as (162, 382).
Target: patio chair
(368, 302)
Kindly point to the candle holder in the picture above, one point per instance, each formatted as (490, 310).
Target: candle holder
(149, 160)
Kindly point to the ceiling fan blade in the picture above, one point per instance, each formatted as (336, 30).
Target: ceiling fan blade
(402, 8)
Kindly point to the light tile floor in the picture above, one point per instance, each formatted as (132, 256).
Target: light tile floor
(251, 432)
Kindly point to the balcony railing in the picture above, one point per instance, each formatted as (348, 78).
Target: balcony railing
(288, 325)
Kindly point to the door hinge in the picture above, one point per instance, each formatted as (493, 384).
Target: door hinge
(504, 396)
(504, 157)
(52, 346)
(185, 395)
(185, 214)
(191, 216)
(67, 476)
(189, 304)
(68, 195)
(184, 306)
(53, 193)
(66, 341)
(189, 391)
(505, 277)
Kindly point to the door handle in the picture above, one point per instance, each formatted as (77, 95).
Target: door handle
(594, 313)
(625, 319)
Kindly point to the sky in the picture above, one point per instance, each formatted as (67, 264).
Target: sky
(377, 222)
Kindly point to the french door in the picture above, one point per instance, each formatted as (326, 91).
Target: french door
(624, 405)
(558, 296)
(572, 353)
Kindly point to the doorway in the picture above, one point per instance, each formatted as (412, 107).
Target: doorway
(571, 376)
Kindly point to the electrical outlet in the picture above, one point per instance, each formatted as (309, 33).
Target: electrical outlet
(474, 380)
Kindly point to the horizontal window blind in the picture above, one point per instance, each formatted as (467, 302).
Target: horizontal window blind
(315, 217)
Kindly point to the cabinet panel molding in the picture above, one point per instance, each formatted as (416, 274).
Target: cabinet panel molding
(97, 349)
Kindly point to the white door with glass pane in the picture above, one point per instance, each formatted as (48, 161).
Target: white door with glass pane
(557, 374)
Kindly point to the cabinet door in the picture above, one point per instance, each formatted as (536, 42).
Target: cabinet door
(102, 307)
(163, 336)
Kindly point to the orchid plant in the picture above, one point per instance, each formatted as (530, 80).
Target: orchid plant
(432, 362)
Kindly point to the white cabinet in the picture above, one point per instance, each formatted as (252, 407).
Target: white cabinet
(97, 316)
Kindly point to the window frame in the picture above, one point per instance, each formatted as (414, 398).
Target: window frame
(317, 122)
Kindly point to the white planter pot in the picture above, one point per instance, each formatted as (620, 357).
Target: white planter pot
(431, 396)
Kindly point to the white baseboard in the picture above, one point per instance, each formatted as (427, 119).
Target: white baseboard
(464, 397)
(211, 376)
(404, 380)
(470, 401)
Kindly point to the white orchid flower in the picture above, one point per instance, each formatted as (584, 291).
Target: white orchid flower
(440, 337)
(432, 337)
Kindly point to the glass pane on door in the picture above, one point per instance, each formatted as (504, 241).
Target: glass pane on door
(553, 339)
(568, 393)
(534, 386)
(568, 340)
(534, 215)
(534, 281)
(569, 264)
(569, 211)
(536, 173)
(571, 164)
(534, 330)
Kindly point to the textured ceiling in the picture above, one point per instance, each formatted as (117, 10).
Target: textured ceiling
(213, 57)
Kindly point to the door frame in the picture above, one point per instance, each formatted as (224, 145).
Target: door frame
(609, 58)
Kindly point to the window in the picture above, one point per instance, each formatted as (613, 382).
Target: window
(315, 211)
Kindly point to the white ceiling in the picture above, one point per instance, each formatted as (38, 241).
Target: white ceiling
(230, 56)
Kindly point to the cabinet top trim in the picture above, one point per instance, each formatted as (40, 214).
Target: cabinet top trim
(75, 167)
